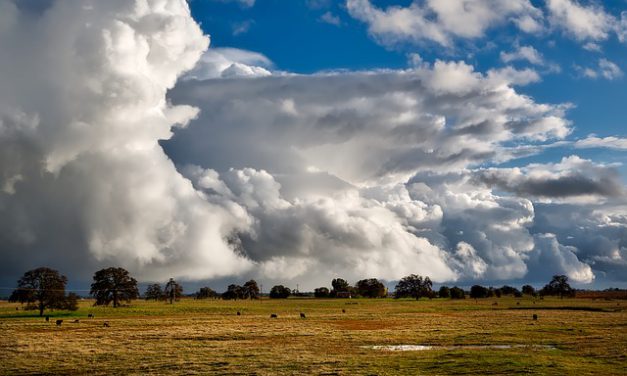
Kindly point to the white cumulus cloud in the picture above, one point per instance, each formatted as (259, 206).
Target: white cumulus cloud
(442, 21)
(590, 22)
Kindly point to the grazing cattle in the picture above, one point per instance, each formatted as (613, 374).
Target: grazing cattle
(239, 313)
(495, 303)
(17, 308)
(76, 321)
(343, 310)
(535, 317)
(302, 315)
(105, 324)
(47, 318)
(90, 316)
(59, 322)
(517, 303)
(273, 316)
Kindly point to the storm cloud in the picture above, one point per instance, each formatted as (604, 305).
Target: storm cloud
(571, 178)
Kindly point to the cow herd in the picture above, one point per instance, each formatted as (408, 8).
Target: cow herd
(59, 322)
(239, 313)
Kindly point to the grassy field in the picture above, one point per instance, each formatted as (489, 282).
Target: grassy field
(571, 336)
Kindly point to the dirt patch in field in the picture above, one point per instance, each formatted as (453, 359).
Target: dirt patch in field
(363, 324)
(573, 308)
(457, 347)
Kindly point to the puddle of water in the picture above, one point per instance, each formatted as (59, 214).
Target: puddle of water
(401, 347)
(456, 347)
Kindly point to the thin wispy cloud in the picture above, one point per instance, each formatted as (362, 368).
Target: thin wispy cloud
(331, 19)
(242, 27)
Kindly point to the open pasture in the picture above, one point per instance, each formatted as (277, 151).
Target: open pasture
(571, 336)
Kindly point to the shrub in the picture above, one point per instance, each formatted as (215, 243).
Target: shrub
(280, 292)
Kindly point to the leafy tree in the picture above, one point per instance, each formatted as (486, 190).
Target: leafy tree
(371, 288)
(528, 290)
(173, 291)
(444, 292)
(321, 292)
(414, 286)
(113, 285)
(280, 292)
(41, 288)
(558, 286)
(509, 290)
(497, 292)
(154, 292)
(477, 292)
(206, 293)
(457, 293)
(339, 285)
(250, 290)
(490, 292)
(233, 292)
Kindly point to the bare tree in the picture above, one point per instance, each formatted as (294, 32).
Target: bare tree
(173, 291)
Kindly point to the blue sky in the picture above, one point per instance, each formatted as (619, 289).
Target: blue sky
(294, 36)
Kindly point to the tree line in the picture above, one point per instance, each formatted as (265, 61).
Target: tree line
(44, 288)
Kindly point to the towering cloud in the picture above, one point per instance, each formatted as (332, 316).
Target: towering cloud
(82, 107)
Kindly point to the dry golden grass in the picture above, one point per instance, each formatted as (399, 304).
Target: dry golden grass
(207, 337)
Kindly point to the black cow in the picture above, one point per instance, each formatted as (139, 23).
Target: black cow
(273, 316)
(59, 322)
(302, 315)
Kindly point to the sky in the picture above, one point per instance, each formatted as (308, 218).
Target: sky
(293, 142)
